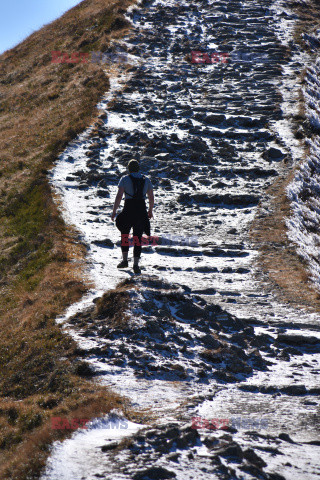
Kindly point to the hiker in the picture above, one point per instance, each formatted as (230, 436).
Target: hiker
(134, 214)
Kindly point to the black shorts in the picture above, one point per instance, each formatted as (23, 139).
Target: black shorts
(134, 215)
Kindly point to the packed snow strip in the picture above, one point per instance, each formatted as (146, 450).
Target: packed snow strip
(290, 88)
(303, 226)
(80, 456)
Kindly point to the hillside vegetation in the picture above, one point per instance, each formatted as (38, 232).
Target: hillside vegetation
(43, 106)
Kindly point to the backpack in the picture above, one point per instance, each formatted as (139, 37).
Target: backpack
(138, 185)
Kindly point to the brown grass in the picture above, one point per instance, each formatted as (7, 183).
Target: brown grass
(113, 304)
(43, 106)
(282, 269)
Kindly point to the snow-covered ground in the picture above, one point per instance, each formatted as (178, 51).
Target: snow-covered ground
(212, 139)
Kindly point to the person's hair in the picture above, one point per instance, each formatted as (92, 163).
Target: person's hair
(133, 166)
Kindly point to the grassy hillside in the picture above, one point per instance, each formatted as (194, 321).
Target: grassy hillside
(42, 107)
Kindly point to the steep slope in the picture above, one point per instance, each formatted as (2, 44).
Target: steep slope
(196, 336)
(44, 106)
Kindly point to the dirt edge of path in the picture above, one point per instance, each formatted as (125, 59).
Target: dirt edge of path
(280, 267)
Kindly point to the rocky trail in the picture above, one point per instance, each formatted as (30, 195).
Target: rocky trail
(195, 338)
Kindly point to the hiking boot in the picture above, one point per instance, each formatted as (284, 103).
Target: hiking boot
(136, 269)
(123, 264)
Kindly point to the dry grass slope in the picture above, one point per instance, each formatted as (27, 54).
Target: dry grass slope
(42, 107)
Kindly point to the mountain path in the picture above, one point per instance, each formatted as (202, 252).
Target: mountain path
(203, 338)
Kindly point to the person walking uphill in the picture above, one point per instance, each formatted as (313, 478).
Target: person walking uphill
(134, 214)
